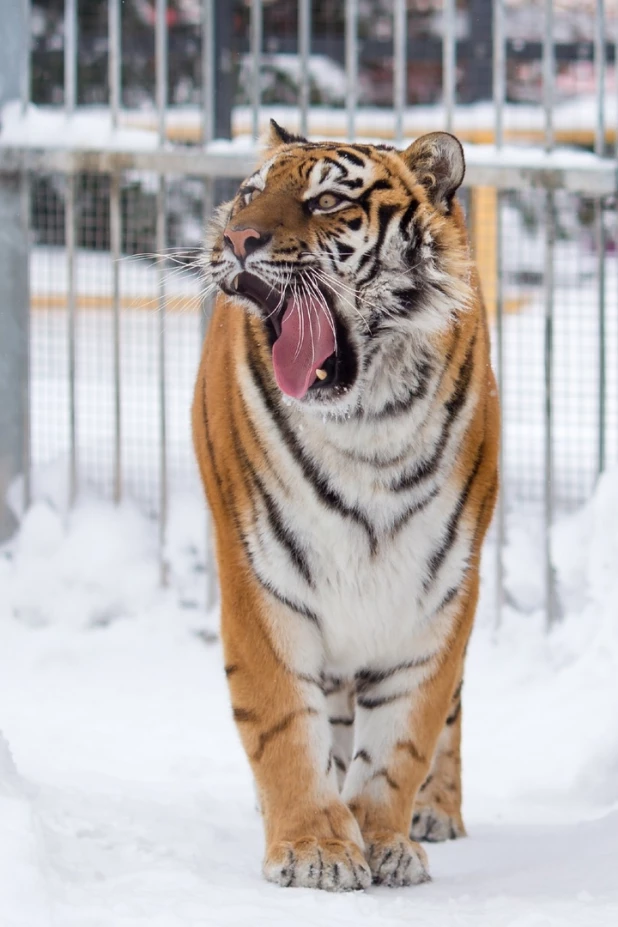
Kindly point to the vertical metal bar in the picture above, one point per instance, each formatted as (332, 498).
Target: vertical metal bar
(161, 244)
(599, 147)
(549, 68)
(304, 49)
(161, 66)
(501, 504)
(115, 225)
(601, 294)
(499, 94)
(27, 450)
(548, 284)
(351, 64)
(208, 71)
(26, 75)
(114, 60)
(70, 55)
(449, 65)
(400, 66)
(600, 67)
(499, 71)
(163, 484)
(257, 23)
(210, 563)
(70, 241)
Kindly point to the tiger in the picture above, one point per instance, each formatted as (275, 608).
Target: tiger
(346, 426)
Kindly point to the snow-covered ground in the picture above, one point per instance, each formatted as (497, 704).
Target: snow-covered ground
(126, 799)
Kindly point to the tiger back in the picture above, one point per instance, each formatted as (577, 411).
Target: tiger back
(346, 427)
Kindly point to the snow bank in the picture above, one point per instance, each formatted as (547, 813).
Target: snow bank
(126, 799)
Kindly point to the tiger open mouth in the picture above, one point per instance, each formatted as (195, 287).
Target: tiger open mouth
(310, 347)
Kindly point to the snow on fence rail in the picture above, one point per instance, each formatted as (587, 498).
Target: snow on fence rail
(110, 389)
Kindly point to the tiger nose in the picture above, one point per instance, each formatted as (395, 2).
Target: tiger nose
(244, 241)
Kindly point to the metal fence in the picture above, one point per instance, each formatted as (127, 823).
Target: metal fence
(113, 201)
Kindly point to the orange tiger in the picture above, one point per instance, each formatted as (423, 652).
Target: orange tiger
(346, 427)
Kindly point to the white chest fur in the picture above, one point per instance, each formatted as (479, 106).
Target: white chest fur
(337, 551)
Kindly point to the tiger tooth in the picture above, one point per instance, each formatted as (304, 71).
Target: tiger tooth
(321, 374)
(235, 282)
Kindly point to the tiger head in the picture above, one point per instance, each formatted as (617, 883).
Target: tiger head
(354, 256)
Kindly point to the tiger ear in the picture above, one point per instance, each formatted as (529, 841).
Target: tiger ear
(438, 161)
(279, 136)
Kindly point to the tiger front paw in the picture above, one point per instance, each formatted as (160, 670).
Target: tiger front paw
(330, 864)
(395, 860)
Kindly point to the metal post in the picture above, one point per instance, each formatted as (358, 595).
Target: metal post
(479, 75)
(115, 225)
(256, 58)
(400, 66)
(600, 67)
(550, 579)
(351, 64)
(161, 244)
(599, 147)
(70, 55)
(499, 71)
(115, 60)
(549, 67)
(449, 54)
(499, 93)
(26, 76)
(304, 49)
(70, 233)
(208, 72)
(14, 295)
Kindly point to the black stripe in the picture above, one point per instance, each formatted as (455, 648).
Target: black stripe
(355, 224)
(344, 251)
(379, 702)
(438, 557)
(408, 215)
(244, 714)
(344, 722)
(282, 534)
(339, 764)
(413, 510)
(285, 537)
(326, 495)
(384, 774)
(455, 714)
(351, 184)
(453, 406)
(363, 755)
(366, 679)
(350, 156)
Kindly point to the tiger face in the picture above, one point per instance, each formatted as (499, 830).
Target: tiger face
(350, 255)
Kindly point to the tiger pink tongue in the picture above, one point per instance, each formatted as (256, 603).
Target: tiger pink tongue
(305, 342)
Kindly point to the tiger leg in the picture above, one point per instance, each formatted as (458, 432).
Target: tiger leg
(340, 699)
(437, 810)
(312, 838)
(399, 717)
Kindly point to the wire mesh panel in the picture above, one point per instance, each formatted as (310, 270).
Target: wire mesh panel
(141, 324)
(141, 88)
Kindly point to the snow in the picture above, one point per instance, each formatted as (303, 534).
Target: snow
(126, 798)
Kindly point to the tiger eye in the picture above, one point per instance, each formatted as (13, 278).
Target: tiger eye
(327, 201)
